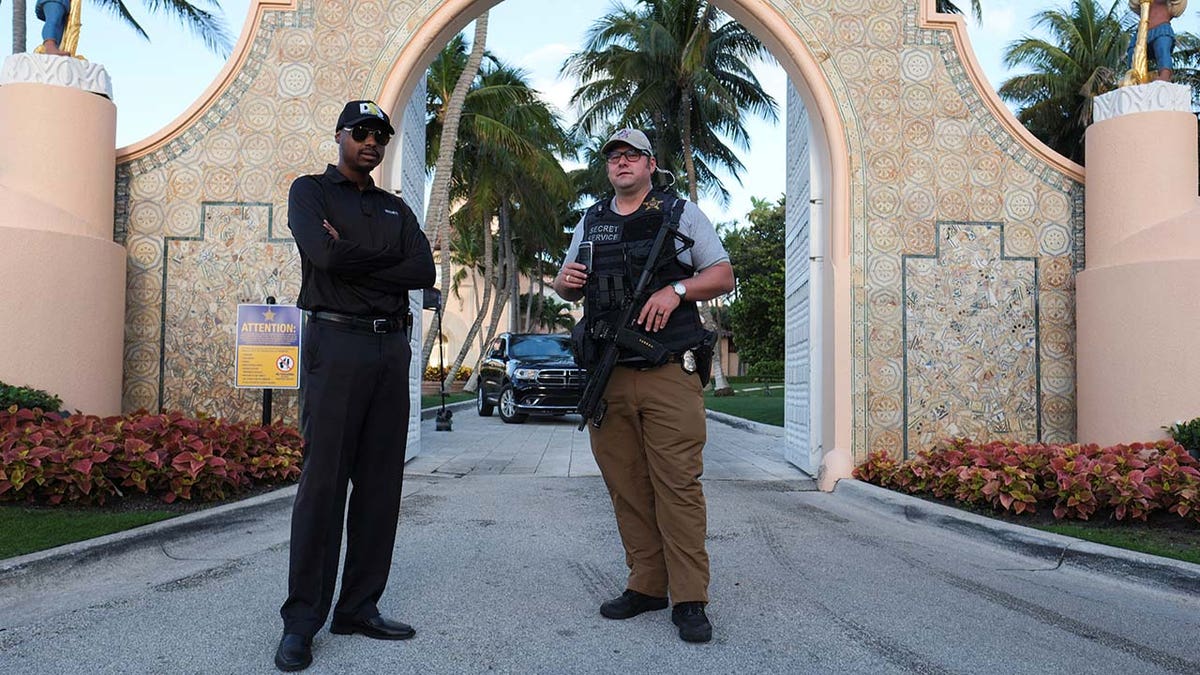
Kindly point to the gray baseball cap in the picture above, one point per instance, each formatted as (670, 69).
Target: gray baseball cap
(631, 137)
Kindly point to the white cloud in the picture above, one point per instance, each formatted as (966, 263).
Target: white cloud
(547, 59)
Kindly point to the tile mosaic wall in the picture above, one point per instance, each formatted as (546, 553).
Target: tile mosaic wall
(970, 335)
(204, 217)
(924, 150)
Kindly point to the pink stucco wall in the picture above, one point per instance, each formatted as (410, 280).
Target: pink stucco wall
(63, 277)
(1138, 310)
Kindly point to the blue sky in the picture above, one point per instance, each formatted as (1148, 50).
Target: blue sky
(156, 81)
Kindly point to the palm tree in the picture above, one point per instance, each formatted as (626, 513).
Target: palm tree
(948, 7)
(547, 313)
(18, 27)
(437, 214)
(1187, 64)
(1082, 58)
(679, 69)
(206, 25)
(505, 168)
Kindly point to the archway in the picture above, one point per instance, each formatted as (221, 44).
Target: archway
(830, 161)
(931, 196)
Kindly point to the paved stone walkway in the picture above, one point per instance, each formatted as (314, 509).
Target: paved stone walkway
(553, 447)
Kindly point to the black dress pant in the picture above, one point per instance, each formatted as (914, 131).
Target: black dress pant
(354, 413)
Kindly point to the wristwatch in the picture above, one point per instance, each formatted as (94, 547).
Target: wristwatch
(680, 289)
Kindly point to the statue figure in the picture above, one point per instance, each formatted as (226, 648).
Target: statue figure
(60, 34)
(1154, 34)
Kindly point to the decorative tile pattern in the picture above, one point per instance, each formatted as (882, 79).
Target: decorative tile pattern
(924, 149)
(971, 357)
(236, 258)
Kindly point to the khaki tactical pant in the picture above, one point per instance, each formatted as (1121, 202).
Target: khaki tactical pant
(649, 450)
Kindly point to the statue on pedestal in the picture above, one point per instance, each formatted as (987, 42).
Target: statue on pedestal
(1154, 35)
(60, 35)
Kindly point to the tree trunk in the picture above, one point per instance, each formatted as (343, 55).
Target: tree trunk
(536, 314)
(437, 216)
(685, 137)
(510, 262)
(720, 384)
(19, 21)
(488, 267)
(497, 310)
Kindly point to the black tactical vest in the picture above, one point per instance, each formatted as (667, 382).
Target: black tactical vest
(621, 247)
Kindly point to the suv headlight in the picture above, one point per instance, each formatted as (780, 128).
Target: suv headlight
(525, 373)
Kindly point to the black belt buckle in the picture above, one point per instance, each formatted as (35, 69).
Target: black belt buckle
(381, 325)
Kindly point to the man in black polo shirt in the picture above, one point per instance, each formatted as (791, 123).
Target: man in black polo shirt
(361, 252)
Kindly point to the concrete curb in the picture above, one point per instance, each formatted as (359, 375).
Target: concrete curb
(1055, 548)
(430, 413)
(723, 418)
(197, 521)
(744, 424)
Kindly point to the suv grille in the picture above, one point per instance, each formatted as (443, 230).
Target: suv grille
(561, 377)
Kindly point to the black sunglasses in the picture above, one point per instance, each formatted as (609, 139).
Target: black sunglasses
(360, 133)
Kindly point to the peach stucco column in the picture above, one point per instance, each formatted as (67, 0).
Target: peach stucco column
(1137, 305)
(63, 276)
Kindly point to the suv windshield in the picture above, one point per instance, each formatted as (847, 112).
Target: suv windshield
(544, 346)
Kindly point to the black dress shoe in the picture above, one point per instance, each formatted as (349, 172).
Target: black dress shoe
(375, 627)
(294, 652)
(693, 623)
(630, 604)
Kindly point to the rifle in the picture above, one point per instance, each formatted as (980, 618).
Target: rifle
(592, 406)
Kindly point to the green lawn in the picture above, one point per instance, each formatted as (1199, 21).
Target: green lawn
(1164, 534)
(756, 401)
(1175, 543)
(25, 529)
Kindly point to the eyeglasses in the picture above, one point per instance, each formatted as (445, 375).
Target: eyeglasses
(629, 155)
(360, 133)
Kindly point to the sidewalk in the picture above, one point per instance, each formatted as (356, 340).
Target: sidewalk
(507, 545)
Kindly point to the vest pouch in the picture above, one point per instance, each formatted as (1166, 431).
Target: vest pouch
(647, 349)
(606, 293)
(584, 346)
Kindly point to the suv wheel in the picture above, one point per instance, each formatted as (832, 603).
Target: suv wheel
(481, 404)
(508, 406)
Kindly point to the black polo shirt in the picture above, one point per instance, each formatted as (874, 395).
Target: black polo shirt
(380, 254)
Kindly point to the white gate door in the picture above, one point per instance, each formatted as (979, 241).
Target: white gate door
(800, 438)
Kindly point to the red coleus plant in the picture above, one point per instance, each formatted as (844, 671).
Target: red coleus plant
(83, 458)
(1073, 481)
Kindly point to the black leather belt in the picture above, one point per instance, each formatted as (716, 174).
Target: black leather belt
(642, 364)
(367, 324)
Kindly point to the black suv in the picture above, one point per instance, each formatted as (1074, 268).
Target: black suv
(527, 374)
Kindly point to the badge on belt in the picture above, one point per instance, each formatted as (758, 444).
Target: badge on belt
(688, 361)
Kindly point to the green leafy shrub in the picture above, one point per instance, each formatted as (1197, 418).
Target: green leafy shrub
(434, 373)
(766, 371)
(45, 457)
(1187, 434)
(28, 397)
(1073, 481)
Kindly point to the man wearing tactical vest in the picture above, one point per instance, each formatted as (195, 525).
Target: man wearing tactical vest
(648, 441)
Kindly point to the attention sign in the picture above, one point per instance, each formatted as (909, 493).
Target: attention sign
(268, 347)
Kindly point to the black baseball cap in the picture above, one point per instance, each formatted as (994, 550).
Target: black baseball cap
(358, 112)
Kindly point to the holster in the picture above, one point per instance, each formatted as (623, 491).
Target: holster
(704, 356)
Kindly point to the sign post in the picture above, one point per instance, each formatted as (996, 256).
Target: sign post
(268, 349)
